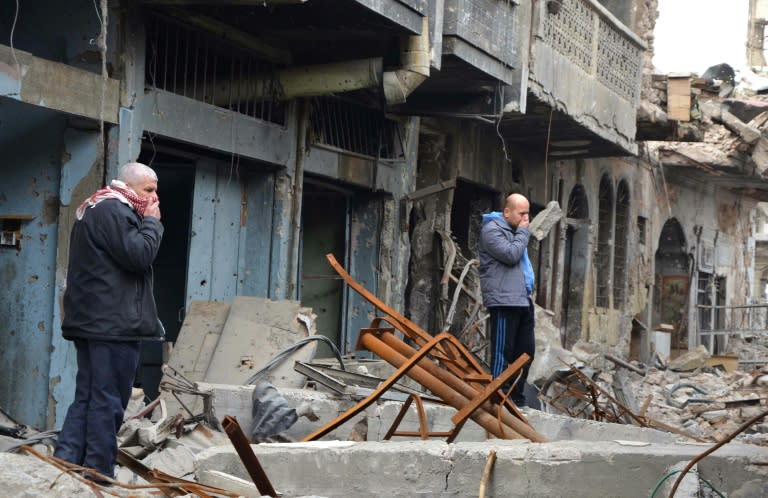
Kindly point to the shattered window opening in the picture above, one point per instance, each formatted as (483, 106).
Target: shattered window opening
(641, 230)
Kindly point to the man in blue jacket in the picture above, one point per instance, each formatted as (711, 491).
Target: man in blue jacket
(108, 309)
(506, 279)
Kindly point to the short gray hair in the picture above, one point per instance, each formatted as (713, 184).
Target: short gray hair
(133, 173)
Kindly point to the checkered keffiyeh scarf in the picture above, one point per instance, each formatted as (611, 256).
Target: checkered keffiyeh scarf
(115, 190)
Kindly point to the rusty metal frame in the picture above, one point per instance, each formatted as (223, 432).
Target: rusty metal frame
(451, 372)
(247, 456)
(423, 432)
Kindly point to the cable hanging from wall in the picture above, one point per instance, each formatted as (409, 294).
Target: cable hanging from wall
(16, 65)
(102, 44)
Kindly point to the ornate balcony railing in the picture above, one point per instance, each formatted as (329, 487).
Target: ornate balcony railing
(586, 62)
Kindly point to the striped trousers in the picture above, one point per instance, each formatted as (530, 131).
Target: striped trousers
(511, 336)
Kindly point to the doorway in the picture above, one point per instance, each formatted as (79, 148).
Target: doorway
(324, 223)
(672, 281)
(175, 188)
(470, 202)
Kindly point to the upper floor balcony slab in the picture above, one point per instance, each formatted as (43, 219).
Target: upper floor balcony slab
(585, 66)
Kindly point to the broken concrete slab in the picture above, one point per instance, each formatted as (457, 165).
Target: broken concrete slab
(549, 350)
(218, 479)
(255, 331)
(521, 469)
(545, 220)
(27, 476)
(177, 461)
(690, 360)
(194, 348)
(745, 110)
(236, 401)
(747, 133)
(711, 110)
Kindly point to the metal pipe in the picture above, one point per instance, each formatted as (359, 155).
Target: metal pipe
(248, 457)
(450, 396)
(455, 383)
(293, 284)
(414, 57)
(306, 81)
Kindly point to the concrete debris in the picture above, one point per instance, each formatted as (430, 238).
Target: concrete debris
(748, 133)
(23, 476)
(256, 329)
(545, 220)
(651, 410)
(228, 342)
(691, 360)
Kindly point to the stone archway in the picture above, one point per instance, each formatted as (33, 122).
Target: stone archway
(672, 283)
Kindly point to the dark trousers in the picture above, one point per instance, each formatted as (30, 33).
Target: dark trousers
(511, 336)
(105, 372)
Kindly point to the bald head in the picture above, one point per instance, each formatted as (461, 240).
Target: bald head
(513, 200)
(516, 210)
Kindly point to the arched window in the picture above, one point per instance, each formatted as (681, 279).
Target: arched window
(575, 265)
(620, 242)
(603, 253)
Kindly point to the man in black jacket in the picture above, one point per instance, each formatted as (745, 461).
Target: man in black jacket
(108, 309)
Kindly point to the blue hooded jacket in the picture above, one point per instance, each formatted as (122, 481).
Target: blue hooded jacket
(506, 273)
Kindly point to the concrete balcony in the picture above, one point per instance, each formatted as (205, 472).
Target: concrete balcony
(583, 83)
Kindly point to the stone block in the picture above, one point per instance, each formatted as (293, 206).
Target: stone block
(545, 220)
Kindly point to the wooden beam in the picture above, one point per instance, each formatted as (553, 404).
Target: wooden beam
(57, 86)
(234, 35)
(432, 189)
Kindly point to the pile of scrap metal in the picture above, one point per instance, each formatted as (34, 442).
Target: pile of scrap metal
(696, 395)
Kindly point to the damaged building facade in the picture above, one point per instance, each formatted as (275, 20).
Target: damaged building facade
(405, 119)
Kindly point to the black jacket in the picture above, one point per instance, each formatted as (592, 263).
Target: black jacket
(109, 281)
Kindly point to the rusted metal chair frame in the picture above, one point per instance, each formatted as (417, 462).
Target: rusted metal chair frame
(464, 383)
(368, 400)
(423, 432)
(468, 369)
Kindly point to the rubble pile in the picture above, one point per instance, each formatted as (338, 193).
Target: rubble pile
(694, 395)
(707, 402)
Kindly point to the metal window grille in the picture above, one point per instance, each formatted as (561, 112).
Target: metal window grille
(351, 127)
(209, 69)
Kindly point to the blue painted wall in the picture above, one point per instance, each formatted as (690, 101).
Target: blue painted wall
(31, 159)
(81, 174)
